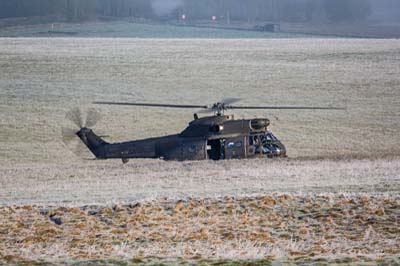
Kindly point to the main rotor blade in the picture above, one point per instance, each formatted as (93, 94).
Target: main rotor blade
(153, 105)
(284, 107)
(230, 100)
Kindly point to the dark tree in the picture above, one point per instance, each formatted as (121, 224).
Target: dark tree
(243, 10)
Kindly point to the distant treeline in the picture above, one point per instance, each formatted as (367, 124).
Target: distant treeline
(248, 10)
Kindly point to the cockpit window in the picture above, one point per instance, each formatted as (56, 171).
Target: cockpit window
(270, 136)
(263, 142)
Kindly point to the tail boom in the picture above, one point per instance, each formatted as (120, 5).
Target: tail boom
(94, 143)
(124, 150)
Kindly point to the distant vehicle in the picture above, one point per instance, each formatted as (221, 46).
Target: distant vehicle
(213, 137)
(268, 27)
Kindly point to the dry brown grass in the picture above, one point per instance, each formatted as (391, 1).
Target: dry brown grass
(273, 226)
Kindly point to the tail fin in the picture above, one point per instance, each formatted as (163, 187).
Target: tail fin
(94, 143)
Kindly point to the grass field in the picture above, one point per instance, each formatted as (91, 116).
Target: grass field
(43, 78)
(125, 29)
(334, 200)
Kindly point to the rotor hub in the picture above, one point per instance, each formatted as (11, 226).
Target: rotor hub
(219, 108)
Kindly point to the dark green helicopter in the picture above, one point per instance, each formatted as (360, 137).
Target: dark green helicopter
(213, 137)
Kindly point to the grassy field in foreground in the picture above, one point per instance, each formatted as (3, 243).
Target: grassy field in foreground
(94, 182)
(249, 212)
(314, 228)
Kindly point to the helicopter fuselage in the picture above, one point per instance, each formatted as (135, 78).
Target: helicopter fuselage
(214, 137)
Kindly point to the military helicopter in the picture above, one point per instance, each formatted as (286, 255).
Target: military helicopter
(214, 137)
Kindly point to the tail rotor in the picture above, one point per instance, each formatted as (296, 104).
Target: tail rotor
(79, 121)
